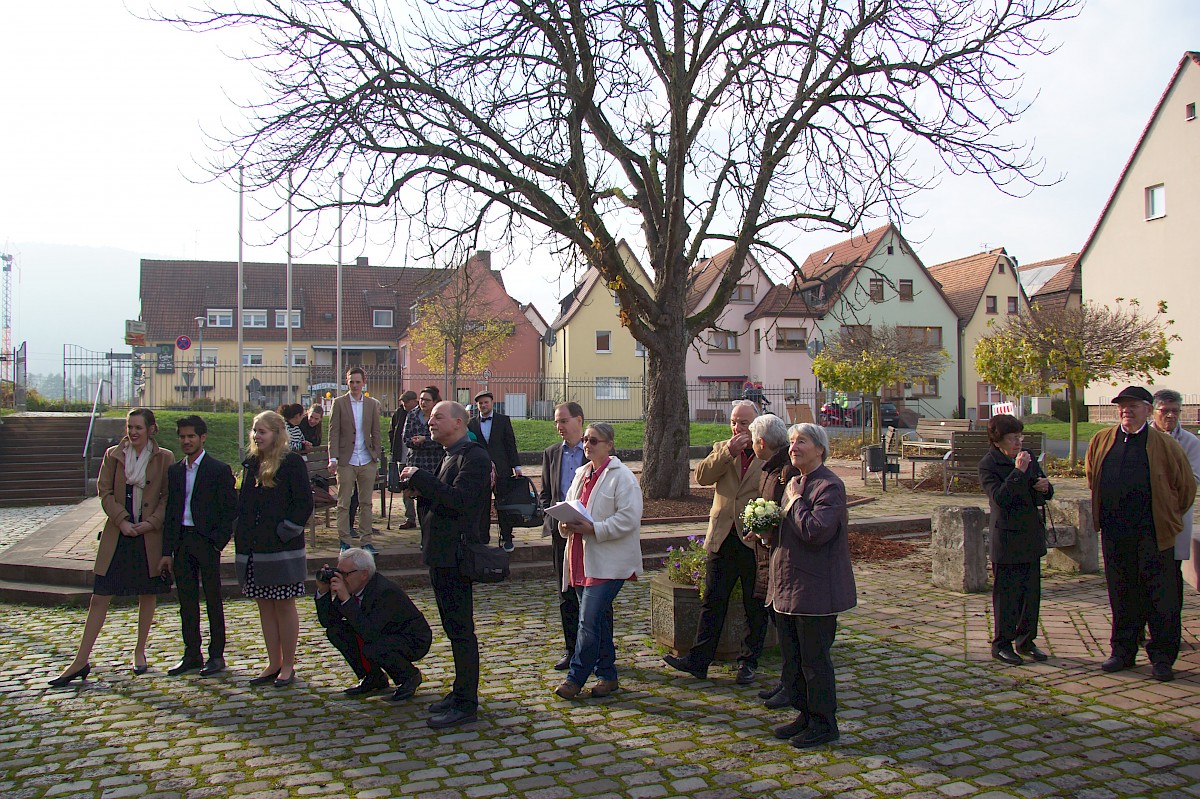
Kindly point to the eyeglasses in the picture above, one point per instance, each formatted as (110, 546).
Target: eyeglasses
(346, 573)
(594, 441)
(1170, 411)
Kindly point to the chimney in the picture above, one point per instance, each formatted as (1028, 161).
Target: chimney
(361, 261)
(483, 258)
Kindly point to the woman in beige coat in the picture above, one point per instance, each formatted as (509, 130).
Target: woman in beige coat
(133, 493)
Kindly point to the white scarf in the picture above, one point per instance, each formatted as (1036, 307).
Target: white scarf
(135, 475)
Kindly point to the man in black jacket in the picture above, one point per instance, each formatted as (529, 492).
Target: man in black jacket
(373, 623)
(201, 505)
(559, 462)
(451, 505)
(408, 401)
(495, 431)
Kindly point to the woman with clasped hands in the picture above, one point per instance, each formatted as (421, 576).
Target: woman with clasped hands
(811, 582)
(600, 556)
(133, 493)
(1016, 489)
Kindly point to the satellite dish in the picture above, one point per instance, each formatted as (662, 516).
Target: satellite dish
(550, 338)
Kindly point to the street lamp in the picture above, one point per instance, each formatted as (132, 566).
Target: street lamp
(200, 322)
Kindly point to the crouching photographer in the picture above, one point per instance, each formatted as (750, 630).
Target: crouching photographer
(373, 623)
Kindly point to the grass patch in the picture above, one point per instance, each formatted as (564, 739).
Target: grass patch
(1061, 431)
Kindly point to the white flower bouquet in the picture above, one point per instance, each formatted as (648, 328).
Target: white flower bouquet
(761, 517)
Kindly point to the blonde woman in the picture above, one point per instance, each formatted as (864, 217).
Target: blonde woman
(274, 504)
(133, 493)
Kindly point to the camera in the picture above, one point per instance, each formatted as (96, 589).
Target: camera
(325, 574)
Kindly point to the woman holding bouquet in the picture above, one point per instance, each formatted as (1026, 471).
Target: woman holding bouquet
(811, 582)
(769, 438)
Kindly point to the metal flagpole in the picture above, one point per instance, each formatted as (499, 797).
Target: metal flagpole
(288, 351)
(337, 377)
(240, 326)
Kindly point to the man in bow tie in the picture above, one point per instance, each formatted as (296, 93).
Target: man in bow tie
(495, 431)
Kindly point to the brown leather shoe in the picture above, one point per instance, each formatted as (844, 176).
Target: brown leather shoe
(568, 690)
(604, 688)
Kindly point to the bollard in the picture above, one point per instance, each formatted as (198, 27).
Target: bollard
(1082, 555)
(959, 548)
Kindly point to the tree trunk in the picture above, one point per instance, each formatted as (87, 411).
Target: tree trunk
(666, 468)
(876, 423)
(1074, 437)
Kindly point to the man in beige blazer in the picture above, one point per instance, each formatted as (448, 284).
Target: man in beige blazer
(355, 447)
(736, 473)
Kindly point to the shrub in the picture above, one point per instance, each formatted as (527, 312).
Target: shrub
(1061, 411)
(1059, 467)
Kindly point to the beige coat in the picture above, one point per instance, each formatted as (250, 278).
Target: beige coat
(341, 429)
(734, 489)
(111, 488)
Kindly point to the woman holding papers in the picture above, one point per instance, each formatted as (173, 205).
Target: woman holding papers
(603, 551)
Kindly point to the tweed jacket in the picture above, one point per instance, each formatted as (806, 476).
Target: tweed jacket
(1017, 533)
(810, 564)
(426, 455)
(1172, 484)
(733, 490)
(341, 429)
(111, 487)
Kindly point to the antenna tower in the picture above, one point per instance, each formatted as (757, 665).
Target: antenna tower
(6, 353)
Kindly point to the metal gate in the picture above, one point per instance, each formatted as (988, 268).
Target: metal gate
(20, 378)
(116, 375)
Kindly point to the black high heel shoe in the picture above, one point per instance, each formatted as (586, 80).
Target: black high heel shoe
(67, 679)
(265, 678)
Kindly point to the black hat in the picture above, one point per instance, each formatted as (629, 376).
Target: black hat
(1135, 393)
(483, 394)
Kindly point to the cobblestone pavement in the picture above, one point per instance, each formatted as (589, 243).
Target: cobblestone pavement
(18, 523)
(920, 716)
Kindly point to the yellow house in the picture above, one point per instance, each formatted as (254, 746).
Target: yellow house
(591, 359)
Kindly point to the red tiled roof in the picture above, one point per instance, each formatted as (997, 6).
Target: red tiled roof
(173, 293)
(964, 279)
(1064, 282)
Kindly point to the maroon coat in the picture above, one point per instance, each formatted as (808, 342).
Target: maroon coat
(810, 563)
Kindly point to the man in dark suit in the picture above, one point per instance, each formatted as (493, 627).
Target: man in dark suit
(495, 431)
(559, 462)
(451, 505)
(408, 401)
(201, 505)
(373, 623)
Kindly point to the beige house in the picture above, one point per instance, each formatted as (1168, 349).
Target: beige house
(1144, 244)
(591, 358)
(984, 290)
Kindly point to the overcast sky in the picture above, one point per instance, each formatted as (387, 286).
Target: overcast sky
(101, 130)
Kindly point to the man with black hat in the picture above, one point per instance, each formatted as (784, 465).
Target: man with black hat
(495, 431)
(1141, 484)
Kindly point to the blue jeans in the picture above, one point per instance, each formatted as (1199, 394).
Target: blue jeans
(594, 647)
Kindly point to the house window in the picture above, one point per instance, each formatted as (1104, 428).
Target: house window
(925, 387)
(220, 317)
(814, 295)
(906, 291)
(299, 357)
(1002, 267)
(381, 317)
(281, 319)
(791, 338)
(1156, 201)
(412, 315)
(791, 389)
(724, 342)
(612, 388)
(1189, 111)
(252, 357)
(254, 318)
(210, 357)
(603, 341)
(404, 357)
(724, 390)
(757, 340)
(743, 292)
(920, 336)
(1012, 305)
(876, 289)
(991, 304)
(639, 349)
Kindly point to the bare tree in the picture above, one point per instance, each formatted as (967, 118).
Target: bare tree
(700, 123)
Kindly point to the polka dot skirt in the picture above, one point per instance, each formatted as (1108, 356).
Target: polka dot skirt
(256, 591)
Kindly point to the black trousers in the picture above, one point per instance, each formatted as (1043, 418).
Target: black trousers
(568, 600)
(198, 560)
(805, 642)
(394, 655)
(734, 561)
(1142, 589)
(1016, 602)
(456, 607)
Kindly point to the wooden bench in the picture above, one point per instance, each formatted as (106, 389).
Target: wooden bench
(318, 466)
(967, 449)
(711, 415)
(931, 439)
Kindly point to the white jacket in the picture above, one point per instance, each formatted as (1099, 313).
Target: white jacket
(1191, 448)
(615, 504)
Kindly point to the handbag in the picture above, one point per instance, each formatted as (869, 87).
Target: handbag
(481, 563)
(393, 477)
(521, 505)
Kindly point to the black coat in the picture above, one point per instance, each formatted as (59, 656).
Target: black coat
(214, 503)
(452, 502)
(260, 510)
(396, 434)
(1017, 532)
(501, 447)
(383, 610)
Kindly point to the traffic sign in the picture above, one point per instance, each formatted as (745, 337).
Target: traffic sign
(183, 343)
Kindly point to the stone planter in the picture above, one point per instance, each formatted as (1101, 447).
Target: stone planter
(675, 611)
